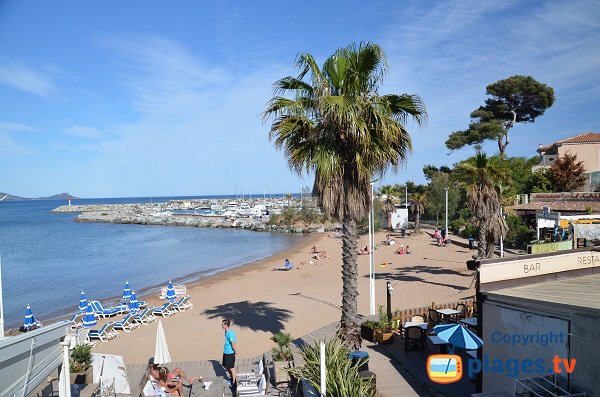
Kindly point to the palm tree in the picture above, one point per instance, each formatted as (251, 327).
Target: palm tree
(483, 178)
(388, 209)
(335, 124)
(418, 202)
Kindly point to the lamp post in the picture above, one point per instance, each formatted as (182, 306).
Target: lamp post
(501, 238)
(406, 196)
(371, 254)
(446, 189)
(1, 302)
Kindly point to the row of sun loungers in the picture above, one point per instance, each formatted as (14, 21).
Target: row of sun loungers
(131, 321)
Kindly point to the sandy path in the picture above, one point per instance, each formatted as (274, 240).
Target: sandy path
(261, 301)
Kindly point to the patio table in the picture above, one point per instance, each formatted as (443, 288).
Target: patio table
(470, 322)
(436, 340)
(423, 326)
(448, 312)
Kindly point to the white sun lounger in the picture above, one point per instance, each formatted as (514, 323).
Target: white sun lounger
(127, 323)
(106, 333)
(183, 303)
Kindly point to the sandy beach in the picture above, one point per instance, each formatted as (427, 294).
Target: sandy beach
(261, 301)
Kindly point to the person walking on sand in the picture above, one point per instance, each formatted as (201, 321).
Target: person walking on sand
(229, 352)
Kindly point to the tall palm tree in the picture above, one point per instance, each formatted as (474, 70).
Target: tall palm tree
(388, 209)
(335, 124)
(483, 177)
(418, 202)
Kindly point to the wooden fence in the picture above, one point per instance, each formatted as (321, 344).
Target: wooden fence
(405, 315)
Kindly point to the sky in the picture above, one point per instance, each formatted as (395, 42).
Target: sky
(149, 98)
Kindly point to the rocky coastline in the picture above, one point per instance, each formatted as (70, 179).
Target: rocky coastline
(161, 214)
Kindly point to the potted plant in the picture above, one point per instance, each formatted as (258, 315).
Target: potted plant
(81, 364)
(367, 330)
(384, 332)
(282, 356)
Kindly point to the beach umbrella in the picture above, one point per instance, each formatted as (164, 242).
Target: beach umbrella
(134, 304)
(82, 302)
(161, 350)
(126, 291)
(458, 335)
(29, 320)
(89, 320)
(170, 291)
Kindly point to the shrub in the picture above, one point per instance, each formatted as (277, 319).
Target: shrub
(81, 358)
(519, 235)
(342, 379)
(282, 351)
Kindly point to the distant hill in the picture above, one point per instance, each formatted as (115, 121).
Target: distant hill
(60, 196)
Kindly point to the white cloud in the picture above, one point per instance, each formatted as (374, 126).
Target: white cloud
(16, 127)
(84, 132)
(20, 76)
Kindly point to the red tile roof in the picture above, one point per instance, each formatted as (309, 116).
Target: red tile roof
(588, 137)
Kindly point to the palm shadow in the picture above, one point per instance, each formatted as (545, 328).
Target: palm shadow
(259, 316)
(407, 277)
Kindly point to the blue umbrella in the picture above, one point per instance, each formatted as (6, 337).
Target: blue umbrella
(29, 321)
(89, 320)
(170, 292)
(82, 302)
(134, 304)
(126, 291)
(457, 335)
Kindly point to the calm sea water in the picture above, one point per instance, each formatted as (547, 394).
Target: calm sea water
(47, 259)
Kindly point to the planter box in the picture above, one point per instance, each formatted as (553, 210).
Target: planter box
(384, 338)
(82, 377)
(367, 333)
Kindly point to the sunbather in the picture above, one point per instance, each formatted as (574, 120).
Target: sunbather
(320, 255)
(401, 251)
(363, 251)
(177, 373)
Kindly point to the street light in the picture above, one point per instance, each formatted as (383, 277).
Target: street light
(1, 302)
(446, 189)
(371, 253)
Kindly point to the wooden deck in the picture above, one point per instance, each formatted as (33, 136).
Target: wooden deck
(398, 374)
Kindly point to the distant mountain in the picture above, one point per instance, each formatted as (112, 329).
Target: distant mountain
(60, 196)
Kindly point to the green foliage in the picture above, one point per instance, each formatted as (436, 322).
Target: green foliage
(430, 170)
(517, 99)
(342, 379)
(282, 351)
(369, 324)
(519, 169)
(519, 235)
(81, 358)
(436, 196)
(567, 173)
(464, 224)
(540, 182)
(385, 323)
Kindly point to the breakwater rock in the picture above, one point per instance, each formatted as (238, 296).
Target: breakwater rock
(156, 214)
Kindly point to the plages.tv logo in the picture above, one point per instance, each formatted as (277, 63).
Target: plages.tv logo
(444, 368)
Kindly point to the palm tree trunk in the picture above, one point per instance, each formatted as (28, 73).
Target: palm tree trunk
(481, 241)
(490, 245)
(417, 222)
(350, 331)
(389, 222)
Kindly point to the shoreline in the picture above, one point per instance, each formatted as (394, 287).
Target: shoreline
(190, 280)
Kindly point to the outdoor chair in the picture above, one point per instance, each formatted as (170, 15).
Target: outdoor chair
(417, 319)
(434, 318)
(145, 317)
(257, 389)
(127, 323)
(166, 310)
(106, 333)
(107, 312)
(183, 303)
(463, 311)
(255, 374)
(413, 339)
(77, 321)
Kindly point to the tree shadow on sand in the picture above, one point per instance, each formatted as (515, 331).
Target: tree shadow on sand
(259, 316)
(402, 276)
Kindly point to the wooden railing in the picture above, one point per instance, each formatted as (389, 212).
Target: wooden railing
(405, 315)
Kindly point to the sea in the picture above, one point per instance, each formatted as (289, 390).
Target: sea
(47, 259)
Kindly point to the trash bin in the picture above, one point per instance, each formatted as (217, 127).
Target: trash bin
(471, 243)
(358, 355)
(443, 233)
(403, 232)
(372, 378)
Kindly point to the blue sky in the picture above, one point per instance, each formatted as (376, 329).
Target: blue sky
(148, 98)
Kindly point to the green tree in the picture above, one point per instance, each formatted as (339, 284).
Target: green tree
(436, 196)
(567, 173)
(483, 177)
(418, 201)
(517, 99)
(540, 182)
(335, 124)
(430, 171)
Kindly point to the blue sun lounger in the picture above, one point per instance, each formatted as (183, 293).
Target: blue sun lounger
(166, 310)
(106, 333)
(145, 317)
(127, 323)
(108, 312)
(183, 303)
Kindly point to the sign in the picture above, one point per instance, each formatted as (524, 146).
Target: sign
(566, 196)
(545, 213)
(530, 267)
